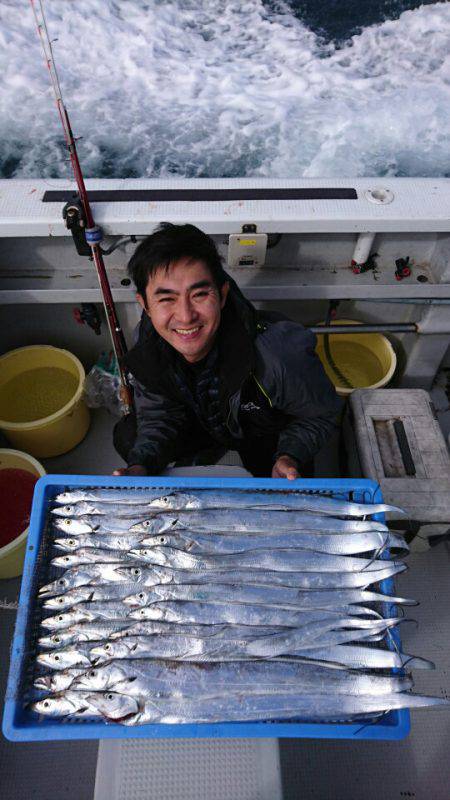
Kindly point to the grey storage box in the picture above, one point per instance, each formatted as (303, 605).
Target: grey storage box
(395, 438)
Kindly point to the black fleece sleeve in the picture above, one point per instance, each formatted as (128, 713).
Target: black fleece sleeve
(300, 389)
(160, 424)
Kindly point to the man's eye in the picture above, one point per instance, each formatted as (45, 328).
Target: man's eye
(199, 295)
(166, 300)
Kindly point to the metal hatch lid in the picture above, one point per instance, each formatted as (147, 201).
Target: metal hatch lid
(410, 204)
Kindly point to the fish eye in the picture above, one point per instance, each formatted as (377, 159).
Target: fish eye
(61, 618)
(142, 612)
(93, 673)
(146, 523)
(71, 541)
(141, 595)
(66, 558)
(56, 639)
(46, 704)
(107, 647)
(60, 600)
(61, 582)
(67, 523)
(56, 658)
(136, 571)
(110, 697)
(162, 539)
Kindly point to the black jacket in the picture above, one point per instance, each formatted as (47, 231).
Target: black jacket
(271, 383)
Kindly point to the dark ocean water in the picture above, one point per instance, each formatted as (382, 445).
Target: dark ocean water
(338, 20)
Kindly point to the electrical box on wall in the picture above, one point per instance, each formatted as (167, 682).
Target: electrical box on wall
(247, 249)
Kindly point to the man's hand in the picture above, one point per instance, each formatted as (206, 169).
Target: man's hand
(135, 469)
(285, 467)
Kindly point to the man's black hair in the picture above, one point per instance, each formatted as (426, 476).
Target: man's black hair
(170, 243)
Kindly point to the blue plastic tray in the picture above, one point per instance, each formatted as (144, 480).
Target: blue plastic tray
(21, 724)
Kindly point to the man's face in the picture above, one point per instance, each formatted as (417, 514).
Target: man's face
(185, 305)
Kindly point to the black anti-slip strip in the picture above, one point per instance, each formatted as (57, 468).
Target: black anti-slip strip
(195, 195)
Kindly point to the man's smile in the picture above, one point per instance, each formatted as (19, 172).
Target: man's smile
(188, 333)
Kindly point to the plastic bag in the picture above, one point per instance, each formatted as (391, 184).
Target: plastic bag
(102, 385)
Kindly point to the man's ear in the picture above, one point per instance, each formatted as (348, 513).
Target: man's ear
(224, 289)
(141, 302)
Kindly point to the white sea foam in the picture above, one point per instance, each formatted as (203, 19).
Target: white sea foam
(214, 88)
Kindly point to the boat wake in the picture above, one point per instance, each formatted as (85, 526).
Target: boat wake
(202, 88)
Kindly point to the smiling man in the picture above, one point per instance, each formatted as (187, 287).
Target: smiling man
(211, 373)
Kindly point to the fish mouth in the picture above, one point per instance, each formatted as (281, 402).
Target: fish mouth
(124, 571)
(47, 590)
(61, 544)
(45, 660)
(92, 699)
(132, 601)
(43, 683)
(137, 614)
(143, 527)
(121, 720)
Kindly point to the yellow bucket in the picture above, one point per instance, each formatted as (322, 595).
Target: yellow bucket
(12, 554)
(367, 360)
(41, 405)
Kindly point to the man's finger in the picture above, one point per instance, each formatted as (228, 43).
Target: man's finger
(118, 472)
(291, 474)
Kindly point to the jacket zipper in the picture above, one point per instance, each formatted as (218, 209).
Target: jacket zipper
(263, 392)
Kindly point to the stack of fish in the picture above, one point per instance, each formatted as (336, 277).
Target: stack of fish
(220, 606)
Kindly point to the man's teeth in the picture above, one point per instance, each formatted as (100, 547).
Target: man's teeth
(185, 331)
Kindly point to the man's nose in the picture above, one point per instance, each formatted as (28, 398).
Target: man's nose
(185, 310)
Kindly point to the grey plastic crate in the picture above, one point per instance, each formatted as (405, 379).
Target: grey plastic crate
(400, 445)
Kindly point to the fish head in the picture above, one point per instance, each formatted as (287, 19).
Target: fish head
(60, 706)
(129, 574)
(142, 598)
(114, 706)
(146, 526)
(57, 640)
(69, 497)
(59, 586)
(69, 599)
(160, 540)
(56, 681)
(147, 612)
(111, 649)
(64, 620)
(68, 544)
(96, 679)
(155, 525)
(70, 510)
(67, 560)
(175, 502)
(73, 525)
(62, 659)
(147, 555)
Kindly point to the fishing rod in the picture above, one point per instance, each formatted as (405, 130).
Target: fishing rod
(93, 233)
